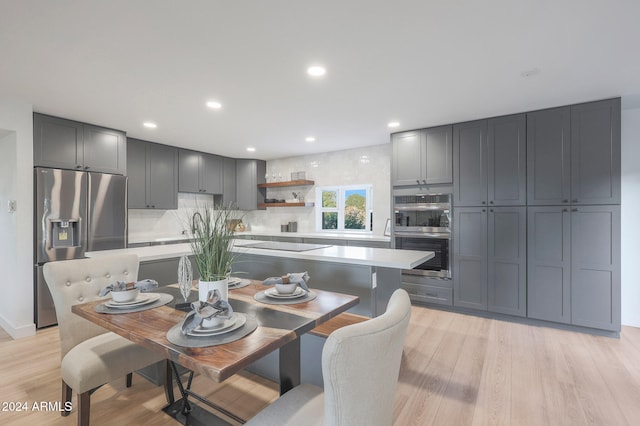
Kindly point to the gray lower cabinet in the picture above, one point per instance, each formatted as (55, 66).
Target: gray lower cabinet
(470, 258)
(153, 175)
(549, 263)
(422, 157)
(200, 172)
(574, 265)
(249, 173)
(595, 267)
(68, 144)
(470, 163)
(489, 264)
(229, 196)
(507, 260)
(595, 152)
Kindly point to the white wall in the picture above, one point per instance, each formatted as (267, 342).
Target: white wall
(368, 165)
(16, 244)
(630, 213)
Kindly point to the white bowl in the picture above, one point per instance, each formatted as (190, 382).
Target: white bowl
(125, 296)
(286, 288)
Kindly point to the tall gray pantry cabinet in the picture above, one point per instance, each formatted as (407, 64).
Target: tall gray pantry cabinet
(489, 238)
(574, 241)
(536, 203)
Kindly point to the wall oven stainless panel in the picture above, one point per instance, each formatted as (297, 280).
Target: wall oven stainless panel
(437, 266)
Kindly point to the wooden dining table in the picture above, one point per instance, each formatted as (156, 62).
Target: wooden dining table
(279, 327)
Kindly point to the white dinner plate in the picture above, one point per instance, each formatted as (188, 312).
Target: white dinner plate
(233, 323)
(237, 281)
(142, 299)
(272, 292)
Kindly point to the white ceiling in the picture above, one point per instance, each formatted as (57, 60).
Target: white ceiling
(118, 63)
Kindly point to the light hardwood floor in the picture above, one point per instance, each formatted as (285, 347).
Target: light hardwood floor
(456, 370)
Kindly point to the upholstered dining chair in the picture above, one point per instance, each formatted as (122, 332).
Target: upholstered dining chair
(91, 355)
(360, 367)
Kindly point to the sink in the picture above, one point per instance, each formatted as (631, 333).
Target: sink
(285, 246)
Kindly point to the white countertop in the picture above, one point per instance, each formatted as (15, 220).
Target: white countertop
(388, 258)
(326, 235)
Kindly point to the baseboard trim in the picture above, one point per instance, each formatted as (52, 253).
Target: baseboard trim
(17, 332)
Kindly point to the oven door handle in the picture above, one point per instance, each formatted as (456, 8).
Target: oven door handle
(441, 235)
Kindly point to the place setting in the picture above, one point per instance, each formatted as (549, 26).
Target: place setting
(288, 289)
(211, 322)
(132, 297)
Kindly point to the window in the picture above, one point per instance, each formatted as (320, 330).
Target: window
(344, 208)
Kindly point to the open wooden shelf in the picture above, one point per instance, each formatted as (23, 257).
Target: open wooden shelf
(300, 182)
(263, 205)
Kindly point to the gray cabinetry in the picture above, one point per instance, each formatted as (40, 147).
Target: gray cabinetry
(470, 258)
(490, 162)
(470, 163)
(595, 267)
(229, 196)
(548, 156)
(250, 173)
(549, 263)
(507, 260)
(507, 161)
(68, 144)
(422, 157)
(153, 175)
(595, 152)
(200, 172)
(489, 263)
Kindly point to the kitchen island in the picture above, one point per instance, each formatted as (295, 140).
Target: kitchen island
(370, 273)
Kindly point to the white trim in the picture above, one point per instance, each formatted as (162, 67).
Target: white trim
(17, 332)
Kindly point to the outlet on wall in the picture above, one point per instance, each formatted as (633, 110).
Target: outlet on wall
(11, 206)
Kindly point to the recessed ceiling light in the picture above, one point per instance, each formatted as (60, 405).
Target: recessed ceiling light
(149, 125)
(310, 139)
(530, 72)
(251, 149)
(214, 104)
(393, 124)
(316, 71)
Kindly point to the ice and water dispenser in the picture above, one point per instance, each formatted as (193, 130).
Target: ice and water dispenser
(65, 233)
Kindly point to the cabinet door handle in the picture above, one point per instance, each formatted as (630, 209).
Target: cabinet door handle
(565, 201)
(418, 181)
(484, 202)
(490, 202)
(78, 166)
(153, 207)
(574, 210)
(424, 181)
(484, 210)
(575, 200)
(86, 167)
(491, 210)
(565, 210)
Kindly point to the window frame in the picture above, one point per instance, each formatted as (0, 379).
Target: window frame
(341, 190)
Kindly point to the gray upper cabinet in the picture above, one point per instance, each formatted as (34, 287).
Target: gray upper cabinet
(422, 157)
(507, 161)
(549, 263)
(595, 152)
(68, 144)
(229, 196)
(470, 257)
(470, 163)
(548, 156)
(200, 172)
(595, 267)
(153, 175)
(249, 173)
(507, 260)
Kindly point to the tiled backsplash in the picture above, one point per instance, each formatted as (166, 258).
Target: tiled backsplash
(367, 165)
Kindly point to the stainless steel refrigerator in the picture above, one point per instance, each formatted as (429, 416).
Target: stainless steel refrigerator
(74, 212)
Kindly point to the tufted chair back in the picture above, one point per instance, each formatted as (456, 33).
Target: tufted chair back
(80, 281)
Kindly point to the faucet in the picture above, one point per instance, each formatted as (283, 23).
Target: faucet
(193, 222)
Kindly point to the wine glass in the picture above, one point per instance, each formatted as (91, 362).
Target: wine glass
(185, 276)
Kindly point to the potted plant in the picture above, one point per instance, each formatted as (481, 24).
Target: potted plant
(212, 246)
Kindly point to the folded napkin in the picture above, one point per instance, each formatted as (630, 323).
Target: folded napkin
(300, 278)
(214, 307)
(144, 286)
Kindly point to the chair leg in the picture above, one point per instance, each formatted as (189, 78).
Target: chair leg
(129, 379)
(66, 399)
(84, 406)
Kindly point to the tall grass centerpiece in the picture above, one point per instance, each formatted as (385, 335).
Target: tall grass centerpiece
(212, 246)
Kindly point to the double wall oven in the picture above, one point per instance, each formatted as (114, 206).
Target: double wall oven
(422, 221)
